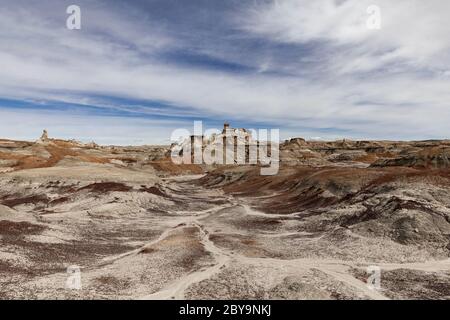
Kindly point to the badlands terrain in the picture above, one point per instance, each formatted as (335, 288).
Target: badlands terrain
(140, 227)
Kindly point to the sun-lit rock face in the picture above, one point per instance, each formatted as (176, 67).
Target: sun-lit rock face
(44, 136)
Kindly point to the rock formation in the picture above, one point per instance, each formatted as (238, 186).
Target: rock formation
(44, 136)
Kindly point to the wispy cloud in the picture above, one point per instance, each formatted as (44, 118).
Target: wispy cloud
(309, 67)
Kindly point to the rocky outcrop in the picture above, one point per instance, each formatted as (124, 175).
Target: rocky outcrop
(44, 136)
(426, 158)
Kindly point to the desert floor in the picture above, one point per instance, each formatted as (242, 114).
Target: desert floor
(144, 230)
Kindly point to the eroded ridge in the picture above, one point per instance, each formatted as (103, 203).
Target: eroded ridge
(139, 227)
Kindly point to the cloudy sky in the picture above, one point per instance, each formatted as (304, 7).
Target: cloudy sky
(139, 69)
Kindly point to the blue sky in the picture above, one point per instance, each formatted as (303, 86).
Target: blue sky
(139, 69)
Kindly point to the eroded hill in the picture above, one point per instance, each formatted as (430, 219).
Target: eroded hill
(139, 226)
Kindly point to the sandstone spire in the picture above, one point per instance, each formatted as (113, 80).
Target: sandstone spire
(44, 136)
